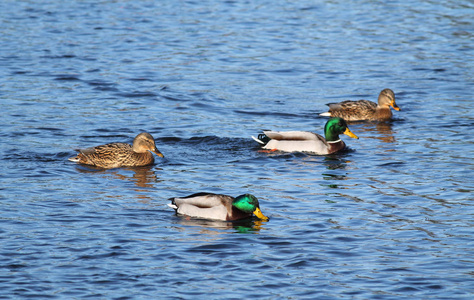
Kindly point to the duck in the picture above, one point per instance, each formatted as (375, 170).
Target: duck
(116, 155)
(305, 141)
(218, 206)
(364, 110)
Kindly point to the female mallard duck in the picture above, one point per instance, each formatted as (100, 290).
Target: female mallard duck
(117, 155)
(305, 141)
(218, 207)
(364, 109)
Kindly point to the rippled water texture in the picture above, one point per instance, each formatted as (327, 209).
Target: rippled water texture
(390, 218)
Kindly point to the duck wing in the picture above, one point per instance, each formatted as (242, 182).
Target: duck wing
(203, 200)
(107, 149)
(353, 110)
(294, 136)
(106, 156)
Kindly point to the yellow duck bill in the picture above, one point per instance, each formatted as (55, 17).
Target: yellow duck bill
(350, 134)
(258, 213)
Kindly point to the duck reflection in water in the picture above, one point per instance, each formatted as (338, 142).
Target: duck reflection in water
(143, 177)
(335, 162)
(378, 130)
(217, 227)
(336, 166)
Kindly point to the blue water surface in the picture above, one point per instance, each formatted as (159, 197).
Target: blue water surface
(390, 218)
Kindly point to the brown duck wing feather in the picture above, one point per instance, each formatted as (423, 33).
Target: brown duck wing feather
(108, 149)
(353, 110)
(106, 156)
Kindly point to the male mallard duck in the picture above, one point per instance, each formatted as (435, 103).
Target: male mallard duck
(117, 155)
(364, 109)
(290, 141)
(217, 207)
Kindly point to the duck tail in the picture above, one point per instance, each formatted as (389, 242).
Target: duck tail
(325, 114)
(261, 139)
(172, 204)
(74, 159)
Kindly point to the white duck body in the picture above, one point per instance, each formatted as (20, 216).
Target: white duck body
(203, 205)
(301, 141)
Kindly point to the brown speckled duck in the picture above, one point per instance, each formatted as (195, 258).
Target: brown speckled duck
(218, 206)
(116, 155)
(363, 109)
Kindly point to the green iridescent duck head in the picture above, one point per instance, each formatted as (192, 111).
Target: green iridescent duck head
(336, 126)
(249, 204)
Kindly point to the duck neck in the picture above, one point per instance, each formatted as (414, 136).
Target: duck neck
(332, 137)
(384, 112)
(137, 149)
(144, 157)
